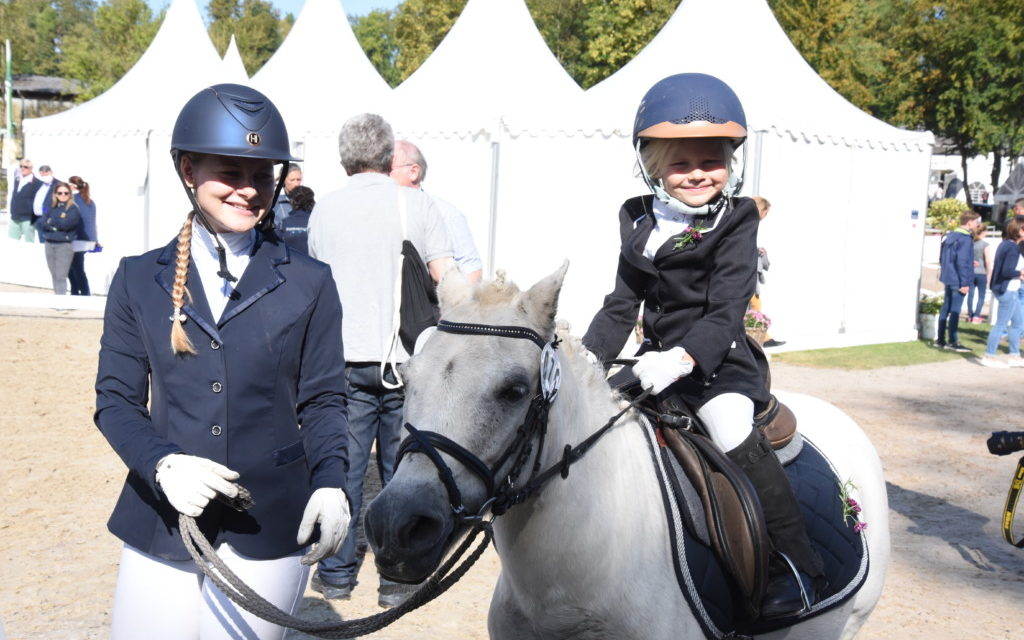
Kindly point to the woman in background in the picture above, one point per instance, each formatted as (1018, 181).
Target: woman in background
(85, 236)
(57, 227)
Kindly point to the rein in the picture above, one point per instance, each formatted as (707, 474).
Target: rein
(500, 497)
(504, 495)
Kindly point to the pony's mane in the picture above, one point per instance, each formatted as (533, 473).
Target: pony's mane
(585, 370)
(496, 292)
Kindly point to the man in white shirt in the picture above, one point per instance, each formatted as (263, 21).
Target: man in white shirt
(358, 231)
(409, 169)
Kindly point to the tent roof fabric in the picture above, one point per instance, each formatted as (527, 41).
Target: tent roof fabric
(492, 65)
(234, 68)
(143, 98)
(1013, 189)
(320, 75)
(779, 90)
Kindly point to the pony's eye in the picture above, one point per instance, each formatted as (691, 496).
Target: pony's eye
(513, 392)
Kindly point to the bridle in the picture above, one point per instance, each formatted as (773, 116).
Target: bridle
(503, 494)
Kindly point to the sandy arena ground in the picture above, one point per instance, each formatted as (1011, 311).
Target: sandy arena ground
(952, 577)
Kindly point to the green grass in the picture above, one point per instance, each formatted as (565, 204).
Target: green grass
(892, 354)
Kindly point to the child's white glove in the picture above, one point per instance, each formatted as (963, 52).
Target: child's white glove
(658, 369)
(190, 482)
(329, 507)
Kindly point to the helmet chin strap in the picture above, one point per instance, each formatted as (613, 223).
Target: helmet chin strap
(223, 272)
(713, 207)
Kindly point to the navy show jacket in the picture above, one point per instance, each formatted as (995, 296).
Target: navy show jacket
(273, 362)
(694, 297)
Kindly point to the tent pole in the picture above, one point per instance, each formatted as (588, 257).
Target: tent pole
(755, 178)
(493, 222)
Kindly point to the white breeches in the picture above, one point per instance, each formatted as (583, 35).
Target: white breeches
(162, 599)
(729, 418)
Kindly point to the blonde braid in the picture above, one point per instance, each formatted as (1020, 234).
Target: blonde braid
(180, 342)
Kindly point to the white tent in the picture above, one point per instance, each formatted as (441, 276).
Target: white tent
(1013, 189)
(318, 78)
(119, 143)
(234, 68)
(492, 74)
(848, 191)
(540, 167)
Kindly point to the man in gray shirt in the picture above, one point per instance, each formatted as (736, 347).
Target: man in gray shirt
(358, 231)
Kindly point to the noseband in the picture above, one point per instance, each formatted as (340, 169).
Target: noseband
(504, 495)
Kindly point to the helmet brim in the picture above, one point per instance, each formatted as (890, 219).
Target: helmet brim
(696, 129)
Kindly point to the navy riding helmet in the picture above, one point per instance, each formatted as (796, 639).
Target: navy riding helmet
(690, 105)
(232, 120)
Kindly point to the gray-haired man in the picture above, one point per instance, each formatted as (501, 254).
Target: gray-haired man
(357, 230)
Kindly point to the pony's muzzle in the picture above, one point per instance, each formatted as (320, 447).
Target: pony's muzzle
(408, 533)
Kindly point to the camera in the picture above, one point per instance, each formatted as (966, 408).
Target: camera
(1005, 442)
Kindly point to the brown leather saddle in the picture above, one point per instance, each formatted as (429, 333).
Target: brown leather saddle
(735, 523)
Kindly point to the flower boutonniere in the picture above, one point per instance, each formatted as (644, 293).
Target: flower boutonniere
(851, 509)
(692, 235)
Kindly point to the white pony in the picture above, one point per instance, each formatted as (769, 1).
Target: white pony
(590, 556)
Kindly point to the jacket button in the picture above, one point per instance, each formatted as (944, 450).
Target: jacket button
(216, 430)
(214, 345)
(216, 386)
(657, 308)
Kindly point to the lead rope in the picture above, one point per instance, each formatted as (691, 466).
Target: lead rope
(234, 588)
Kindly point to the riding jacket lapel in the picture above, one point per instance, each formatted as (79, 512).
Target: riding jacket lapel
(196, 307)
(260, 278)
(633, 247)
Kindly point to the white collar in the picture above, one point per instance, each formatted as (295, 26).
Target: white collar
(237, 243)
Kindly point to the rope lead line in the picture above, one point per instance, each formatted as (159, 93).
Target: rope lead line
(234, 588)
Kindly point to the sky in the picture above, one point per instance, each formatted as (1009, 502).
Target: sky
(294, 7)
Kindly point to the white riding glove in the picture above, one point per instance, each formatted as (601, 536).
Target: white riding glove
(190, 482)
(658, 369)
(329, 507)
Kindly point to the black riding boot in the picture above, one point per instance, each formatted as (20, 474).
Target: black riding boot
(786, 529)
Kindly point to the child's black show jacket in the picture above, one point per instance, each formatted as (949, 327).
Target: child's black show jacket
(694, 297)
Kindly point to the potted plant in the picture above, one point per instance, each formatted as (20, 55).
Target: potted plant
(928, 316)
(756, 325)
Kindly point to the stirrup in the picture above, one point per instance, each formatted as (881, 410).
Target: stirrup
(799, 583)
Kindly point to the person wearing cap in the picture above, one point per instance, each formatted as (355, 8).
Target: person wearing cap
(221, 368)
(686, 256)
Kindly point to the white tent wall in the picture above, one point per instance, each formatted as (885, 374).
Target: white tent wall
(844, 246)
(559, 199)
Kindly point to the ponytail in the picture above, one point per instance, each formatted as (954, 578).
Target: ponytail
(180, 342)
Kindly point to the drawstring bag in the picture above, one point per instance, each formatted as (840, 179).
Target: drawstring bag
(416, 305)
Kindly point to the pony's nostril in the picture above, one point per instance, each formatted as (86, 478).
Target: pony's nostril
(420, 531)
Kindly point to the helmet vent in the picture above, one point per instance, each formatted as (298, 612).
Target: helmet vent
(699, 111)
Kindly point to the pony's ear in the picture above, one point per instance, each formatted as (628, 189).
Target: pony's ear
(454, 289)
(541, 302)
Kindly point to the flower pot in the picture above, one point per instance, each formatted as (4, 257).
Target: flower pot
(758, 333)
(928, 326)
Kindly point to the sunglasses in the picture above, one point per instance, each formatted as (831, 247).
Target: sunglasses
(63, 193)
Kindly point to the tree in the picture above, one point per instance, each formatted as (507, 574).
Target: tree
(37, 29)
(376, 34)
(594, 38)
(100, 51)
(615, 32)
(257, 26)
(419, 26)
